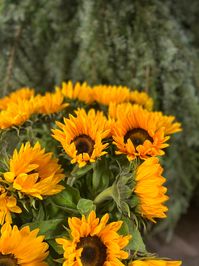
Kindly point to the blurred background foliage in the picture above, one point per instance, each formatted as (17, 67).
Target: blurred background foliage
(148, 45)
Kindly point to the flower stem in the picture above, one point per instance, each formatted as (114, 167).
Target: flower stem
(104, 195)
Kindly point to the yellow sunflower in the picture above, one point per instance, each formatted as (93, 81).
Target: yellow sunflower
(94, 242)
(14, 97)
(22, 247)
(81, 136)
(50, 103)
(116, 111)
(16, 113)
(78, 91)
(137, 134)
(150, 190)
(155, 262)
(34, 172)
(8, 204)
(142, 99)
(169, 123)
(105, 94)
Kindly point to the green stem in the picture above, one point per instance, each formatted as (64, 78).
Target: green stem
(104, 195)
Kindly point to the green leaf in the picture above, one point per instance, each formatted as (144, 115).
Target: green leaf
(78, 172)
(67, 199)
(50, 228)
(85, 206)
(101, 175)
(136, 242)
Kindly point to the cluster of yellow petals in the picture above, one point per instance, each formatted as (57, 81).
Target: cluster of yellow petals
(94, 227)
(8, 204)
(142, 99)
(22, 247)
(34, 172)
(155, 262)
(77, 91)
(88, 130)
(150, 190)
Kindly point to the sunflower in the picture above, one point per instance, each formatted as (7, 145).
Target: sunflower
(142, 99)
(169, 123)
(94, 242)
(16, 113)
(81, 136)
(34, 172)
(79, 91)
(155, 262)
(104, 94)
(8, 204)
(50, 103)
(14, 97)
(22, 247)
(137, 134)
(115, 111)
(150, 190)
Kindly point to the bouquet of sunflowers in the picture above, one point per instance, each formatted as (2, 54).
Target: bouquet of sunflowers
(80, 177)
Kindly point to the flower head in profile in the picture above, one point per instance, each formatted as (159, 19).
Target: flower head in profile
(137, 133)
(81, 136)
(169, 123)
(104, 94)
(150, 190)
(8, 205)
(17, 113)
(155, 262)
(142, 99)
(94, 242)
(79, 91)
(34, 172)
(14, 97)
(22, 247)
(50, 103)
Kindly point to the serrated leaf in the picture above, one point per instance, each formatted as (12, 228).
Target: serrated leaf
(50, 228)
(85, 206)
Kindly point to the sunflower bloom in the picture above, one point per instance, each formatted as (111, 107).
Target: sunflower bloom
(154, 262)
(22, 247)
(137, 134)
(50, 103)
(17, 113)
(8, 204)
(79, 91)
(150, 190)
(94, 242)
(104, 94)
(34, 172)
(169, 123)
(115, 111)
(142, 99)
(14, 97)
(81, 136)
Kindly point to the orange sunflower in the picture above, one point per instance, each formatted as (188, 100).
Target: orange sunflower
(150, 190)
(137, 134)
(34, 172)
(22, 247)
(94, 242)
(50, 103)
(79, 91)
(155, 262)
(104, 94)
(81, 136)
(8, 204)
(14, 97)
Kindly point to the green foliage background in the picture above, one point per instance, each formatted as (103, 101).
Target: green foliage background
(149, 45)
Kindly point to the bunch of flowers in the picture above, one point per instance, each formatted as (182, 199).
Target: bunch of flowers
(80, 176)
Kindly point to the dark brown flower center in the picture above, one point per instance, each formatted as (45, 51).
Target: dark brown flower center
(8, 260)
(137, 136)
(94, 251)
(84, 144)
